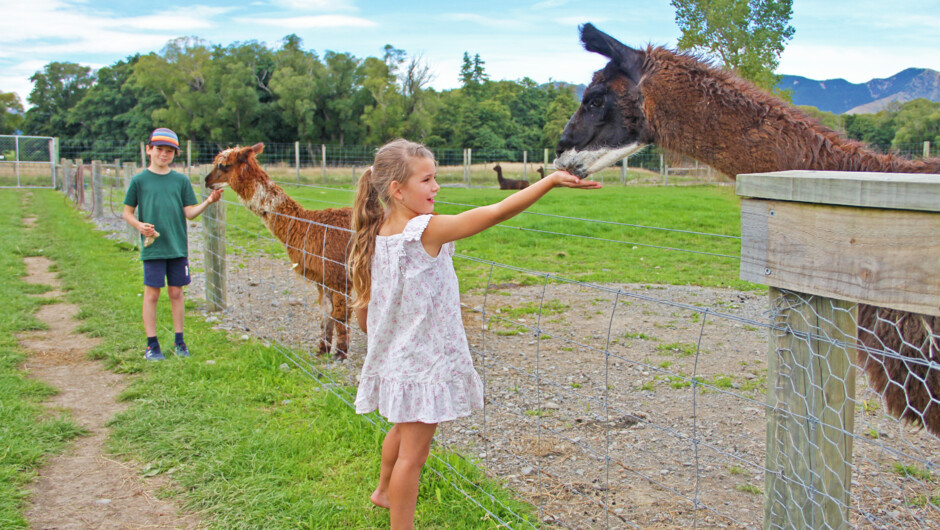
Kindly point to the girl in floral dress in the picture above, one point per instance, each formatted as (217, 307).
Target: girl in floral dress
(418, 370)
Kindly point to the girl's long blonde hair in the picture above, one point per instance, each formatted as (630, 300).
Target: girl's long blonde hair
(393, 162)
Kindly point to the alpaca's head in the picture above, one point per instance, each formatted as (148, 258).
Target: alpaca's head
(237, 168)
(497, 168)
(610, 124)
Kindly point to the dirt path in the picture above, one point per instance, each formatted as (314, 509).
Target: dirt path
(85, 487)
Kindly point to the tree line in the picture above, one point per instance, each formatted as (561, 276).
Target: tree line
(247, 92)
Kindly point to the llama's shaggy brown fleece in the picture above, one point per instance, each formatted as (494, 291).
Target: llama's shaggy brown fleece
(686, 105)
(316, 240)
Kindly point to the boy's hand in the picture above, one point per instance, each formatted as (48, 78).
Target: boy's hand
(563, 178)
(146, 229)
(215, 196)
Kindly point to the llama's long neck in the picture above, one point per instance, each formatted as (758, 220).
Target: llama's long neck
(267, 200)
(734, 127)
(499, 174)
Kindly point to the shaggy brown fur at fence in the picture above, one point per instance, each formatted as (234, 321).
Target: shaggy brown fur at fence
(686, 105)
(508, 184)
(541, 171)
(316, 248)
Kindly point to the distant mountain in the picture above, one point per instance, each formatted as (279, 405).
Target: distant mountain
(841, 97)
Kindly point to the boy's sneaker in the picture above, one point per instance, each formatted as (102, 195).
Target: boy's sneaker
(153, 354)
(182, 350)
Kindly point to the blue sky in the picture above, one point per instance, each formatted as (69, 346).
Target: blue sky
(855, 40)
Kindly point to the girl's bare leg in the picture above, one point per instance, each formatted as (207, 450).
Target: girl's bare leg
(389, 456)
(414, 445)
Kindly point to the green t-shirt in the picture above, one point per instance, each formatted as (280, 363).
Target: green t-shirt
(159, 200)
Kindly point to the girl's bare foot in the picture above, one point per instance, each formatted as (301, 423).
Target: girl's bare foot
(380, 499)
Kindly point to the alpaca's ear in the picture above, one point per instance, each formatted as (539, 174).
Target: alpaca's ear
(629, 61)
(257, 148)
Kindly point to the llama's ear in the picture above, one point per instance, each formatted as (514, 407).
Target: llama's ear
(630, 61)
(257, 148)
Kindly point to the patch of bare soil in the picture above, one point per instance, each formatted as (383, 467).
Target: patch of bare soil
(85, 487)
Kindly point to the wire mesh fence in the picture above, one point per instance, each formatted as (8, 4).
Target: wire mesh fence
(635, 405)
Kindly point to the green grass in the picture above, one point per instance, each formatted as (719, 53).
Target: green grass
(247, 444)
(29, 434)
(613, 254)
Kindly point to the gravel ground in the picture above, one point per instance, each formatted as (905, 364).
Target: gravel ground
(622, 440)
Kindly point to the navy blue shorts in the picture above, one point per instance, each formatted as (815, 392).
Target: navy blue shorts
(176, 272)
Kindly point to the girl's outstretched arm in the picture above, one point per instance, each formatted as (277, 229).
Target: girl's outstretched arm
(446, 228)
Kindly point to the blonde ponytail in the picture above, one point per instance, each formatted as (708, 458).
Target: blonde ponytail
(367, 216)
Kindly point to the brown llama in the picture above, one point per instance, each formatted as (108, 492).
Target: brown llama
(508, 184)
(541, 171)
(688, 106)
(316, 240)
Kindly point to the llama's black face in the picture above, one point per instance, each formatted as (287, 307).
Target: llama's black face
(609, 125)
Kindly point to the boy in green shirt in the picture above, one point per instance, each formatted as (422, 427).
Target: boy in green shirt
(163, 200)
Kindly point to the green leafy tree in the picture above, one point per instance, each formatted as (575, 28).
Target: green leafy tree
(107, 112)
(918, 121)
(11, 113)
(558, 113)
(56, 89)
(876, 129)
(746, 36)
(295, 89)
(181, 75)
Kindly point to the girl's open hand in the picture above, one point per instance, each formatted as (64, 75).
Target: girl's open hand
(563, 178)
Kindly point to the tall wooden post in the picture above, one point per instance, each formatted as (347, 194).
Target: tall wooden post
(97, 208)
(297, 159)
(824, 242)
(323, 160)
(525, 163)
(130, 234)
(213, 223)
(623, 170)
(545, 161)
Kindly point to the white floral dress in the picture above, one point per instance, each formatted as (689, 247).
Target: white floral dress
(418, 366)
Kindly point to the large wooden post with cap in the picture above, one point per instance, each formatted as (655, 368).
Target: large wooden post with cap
(824, 242)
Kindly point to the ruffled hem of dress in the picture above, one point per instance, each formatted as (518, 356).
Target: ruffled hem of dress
(401, 402)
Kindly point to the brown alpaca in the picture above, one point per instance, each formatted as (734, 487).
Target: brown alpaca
(508, 184)
(541, 171)
(685, 105)
(316, 240)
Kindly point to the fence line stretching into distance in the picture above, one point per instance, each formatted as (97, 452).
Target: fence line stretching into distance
(607, 405)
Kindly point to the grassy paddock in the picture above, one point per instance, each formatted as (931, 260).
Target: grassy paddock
(633, 255)
(248, 444)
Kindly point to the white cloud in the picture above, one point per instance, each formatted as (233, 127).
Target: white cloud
(489, 22)
(317, 21)
(316, 5)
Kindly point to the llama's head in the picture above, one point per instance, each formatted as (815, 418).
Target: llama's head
(229, 169)
(609, 124)
(497, 168)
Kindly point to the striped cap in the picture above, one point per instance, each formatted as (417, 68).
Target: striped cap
(164, 136)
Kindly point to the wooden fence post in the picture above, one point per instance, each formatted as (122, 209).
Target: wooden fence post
(97, 207)
(623, 171)
(525, 163)
(297, 159)
(130, 234)
(926, 149)
(824, 242)
(323, 160)
(213, 223)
